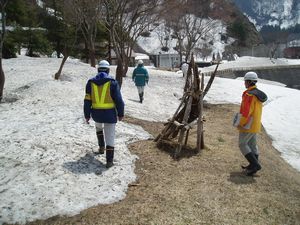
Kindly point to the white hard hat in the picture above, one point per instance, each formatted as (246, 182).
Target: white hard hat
(103, 64)
(140, 62)
(251, 76)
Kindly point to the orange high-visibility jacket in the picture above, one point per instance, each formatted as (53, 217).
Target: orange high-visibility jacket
(251, 109)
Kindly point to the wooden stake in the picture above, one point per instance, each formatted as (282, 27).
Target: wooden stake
(182, 131)
(186, 137)
(200, 123)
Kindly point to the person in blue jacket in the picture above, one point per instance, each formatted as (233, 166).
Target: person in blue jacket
(140, 77)
(103, 102)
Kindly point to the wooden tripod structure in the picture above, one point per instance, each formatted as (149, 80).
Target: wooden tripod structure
(189, 112)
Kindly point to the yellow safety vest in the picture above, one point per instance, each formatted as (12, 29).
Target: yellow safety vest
(101, 98)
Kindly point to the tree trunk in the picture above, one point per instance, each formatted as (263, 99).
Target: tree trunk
(58, 49)
(92, 57)
(57, 75)
(2, 80)
(180, 57)
(119, 72)
(19, 49)
(86, 50)
(29, 52)
(2, 35)
(187, 55)
(125, 68)
(109, 49)
(180, 53)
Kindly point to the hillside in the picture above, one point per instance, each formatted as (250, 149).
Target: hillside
(232, 29)
(276, 20)
(281, 13)
(228, 12)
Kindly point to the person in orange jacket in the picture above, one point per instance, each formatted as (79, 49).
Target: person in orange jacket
(250, 122)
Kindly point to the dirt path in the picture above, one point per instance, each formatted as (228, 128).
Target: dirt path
(202, 188)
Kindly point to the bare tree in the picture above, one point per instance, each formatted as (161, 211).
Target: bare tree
(3, 4)
(205, 52)
(87, 13)
(195, 29)
(69, 38)
(68, 45)
(176, 9)
(189, 29)
(126, 20)
(164, 36)
(273, 47)
(190, 22)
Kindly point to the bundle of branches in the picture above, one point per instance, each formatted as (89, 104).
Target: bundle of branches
(189, 111)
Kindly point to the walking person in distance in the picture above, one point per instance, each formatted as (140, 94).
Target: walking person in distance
(140, 77)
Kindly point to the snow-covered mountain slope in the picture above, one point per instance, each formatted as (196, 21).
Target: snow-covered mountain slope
(153, 43)
(282, 13)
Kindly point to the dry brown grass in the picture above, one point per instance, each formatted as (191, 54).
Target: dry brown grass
(202, 188)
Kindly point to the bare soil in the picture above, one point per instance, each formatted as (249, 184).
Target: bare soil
(206, 187)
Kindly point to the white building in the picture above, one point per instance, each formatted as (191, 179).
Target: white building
(167, 61)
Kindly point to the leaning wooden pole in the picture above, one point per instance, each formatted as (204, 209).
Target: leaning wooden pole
(211, 79)
(182, 131)
(200, 138)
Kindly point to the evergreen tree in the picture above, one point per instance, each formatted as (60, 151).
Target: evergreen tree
(10, 48)
(52, 20)
(18, 12)
(23, 18)
(238, 29)
(37, 43)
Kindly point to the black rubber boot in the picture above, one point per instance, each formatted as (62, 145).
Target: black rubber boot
(101, 143)
(248, 167)
(254, 165)
(109, 156)
(141, 98)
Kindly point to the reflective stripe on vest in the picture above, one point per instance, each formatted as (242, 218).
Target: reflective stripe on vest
(101, 98)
